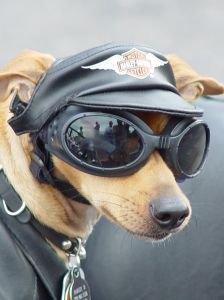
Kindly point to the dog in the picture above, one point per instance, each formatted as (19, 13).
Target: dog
(128, 201)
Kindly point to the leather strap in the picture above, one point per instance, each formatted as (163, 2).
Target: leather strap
(14, 202)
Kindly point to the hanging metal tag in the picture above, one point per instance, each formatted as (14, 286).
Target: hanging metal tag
(74, 286)
(65, 286)
(79, 289)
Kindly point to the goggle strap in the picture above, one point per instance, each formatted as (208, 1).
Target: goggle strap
(41, 166)
(69, 191)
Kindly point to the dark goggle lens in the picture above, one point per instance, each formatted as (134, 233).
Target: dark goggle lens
(192, 149)
(103, 141)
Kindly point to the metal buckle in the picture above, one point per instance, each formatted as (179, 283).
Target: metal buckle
(14, 213)
(75, 251)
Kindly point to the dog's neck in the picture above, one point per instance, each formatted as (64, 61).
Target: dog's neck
(71, 250)
(47, 204)
(62, 243)
(81, 217)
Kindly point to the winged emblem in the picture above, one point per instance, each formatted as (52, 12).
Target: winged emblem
(135, 63)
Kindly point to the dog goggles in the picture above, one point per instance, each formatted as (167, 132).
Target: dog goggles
(115, 143)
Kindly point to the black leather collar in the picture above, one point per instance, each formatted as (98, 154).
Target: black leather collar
(14, 202)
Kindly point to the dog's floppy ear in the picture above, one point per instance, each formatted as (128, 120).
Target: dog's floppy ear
(189, 83)
(22, 74)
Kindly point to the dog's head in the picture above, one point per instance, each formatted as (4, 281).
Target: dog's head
(147, 202)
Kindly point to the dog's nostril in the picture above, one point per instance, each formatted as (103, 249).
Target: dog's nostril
(169, 214)
(163, 217)
(184, 216)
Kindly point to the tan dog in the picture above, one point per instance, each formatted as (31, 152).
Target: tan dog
(124, 200)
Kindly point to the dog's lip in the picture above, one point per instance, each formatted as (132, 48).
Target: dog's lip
(159, 236)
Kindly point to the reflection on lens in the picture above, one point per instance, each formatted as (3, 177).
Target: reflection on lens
(191, 152)
(103, 141)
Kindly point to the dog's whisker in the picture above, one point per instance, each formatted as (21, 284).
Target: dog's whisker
(106, 202)
(202, 202)
(99, 192)
(119, 196)
(194, 220)
(114, 194)
(125, 236)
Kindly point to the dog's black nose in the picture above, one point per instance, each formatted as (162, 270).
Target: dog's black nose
(169, 213)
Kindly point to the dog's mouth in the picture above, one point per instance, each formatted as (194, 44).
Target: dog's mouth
(142, 225)
(160, 236)
(154, 237)
(128, 207)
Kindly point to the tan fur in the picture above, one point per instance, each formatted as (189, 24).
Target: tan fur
(124, 200)
(189, 83)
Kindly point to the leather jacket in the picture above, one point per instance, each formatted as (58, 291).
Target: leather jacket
(29, 268)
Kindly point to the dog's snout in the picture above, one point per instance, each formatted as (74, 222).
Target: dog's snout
(169, 213)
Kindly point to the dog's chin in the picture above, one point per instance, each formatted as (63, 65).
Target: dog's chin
(160, 237)
(153, 237)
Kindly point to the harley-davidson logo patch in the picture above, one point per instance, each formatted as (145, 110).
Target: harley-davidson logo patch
(135, 63)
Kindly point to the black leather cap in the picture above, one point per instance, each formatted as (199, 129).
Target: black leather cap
(105, 77)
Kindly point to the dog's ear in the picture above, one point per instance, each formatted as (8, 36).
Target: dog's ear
(189, 83)
(22, 74)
